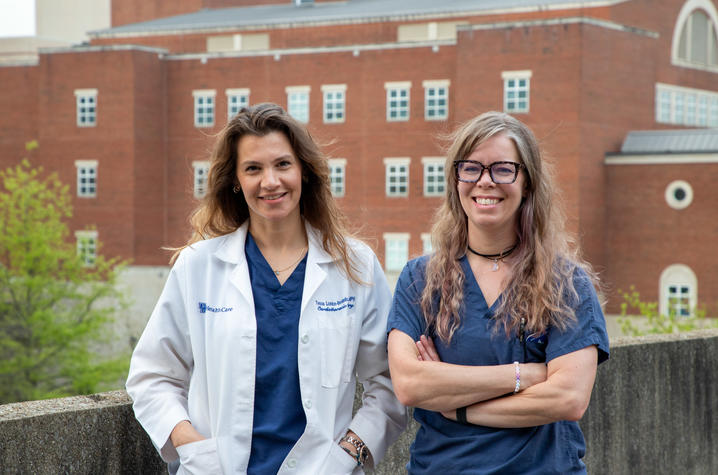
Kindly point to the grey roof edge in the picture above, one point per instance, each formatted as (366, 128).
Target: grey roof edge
(310, 50)
(145, 29)
(655, 153)
(562, 21)
(97, 48)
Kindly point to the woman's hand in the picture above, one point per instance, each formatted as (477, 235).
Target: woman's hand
(185, 433)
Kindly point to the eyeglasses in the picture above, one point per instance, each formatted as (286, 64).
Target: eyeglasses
(501, 173)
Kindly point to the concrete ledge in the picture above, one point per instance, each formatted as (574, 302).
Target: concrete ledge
(653, 410)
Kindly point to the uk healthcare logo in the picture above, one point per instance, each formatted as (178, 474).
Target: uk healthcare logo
(204, 308)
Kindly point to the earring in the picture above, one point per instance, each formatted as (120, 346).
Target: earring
(236, 189)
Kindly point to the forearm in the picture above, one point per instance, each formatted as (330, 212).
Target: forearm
(430, 384)
(563, 396)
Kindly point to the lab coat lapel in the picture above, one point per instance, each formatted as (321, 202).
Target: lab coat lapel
(315, 274)
(232, 251)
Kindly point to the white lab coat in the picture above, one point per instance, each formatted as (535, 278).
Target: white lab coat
(196, 360)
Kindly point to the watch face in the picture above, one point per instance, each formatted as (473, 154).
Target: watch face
(363, 454)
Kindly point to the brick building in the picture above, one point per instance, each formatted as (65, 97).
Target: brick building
(128, 119)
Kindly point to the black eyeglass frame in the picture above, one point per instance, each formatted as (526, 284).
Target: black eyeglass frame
(519, 166)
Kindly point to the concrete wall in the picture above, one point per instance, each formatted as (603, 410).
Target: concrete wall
(653, 411)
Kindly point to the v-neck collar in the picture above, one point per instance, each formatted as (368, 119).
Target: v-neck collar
(471, 284)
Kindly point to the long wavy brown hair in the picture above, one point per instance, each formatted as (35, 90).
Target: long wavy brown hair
(541, 287)
(222, 211)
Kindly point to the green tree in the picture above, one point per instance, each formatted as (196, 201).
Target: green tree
(54, 309)
(639, 317)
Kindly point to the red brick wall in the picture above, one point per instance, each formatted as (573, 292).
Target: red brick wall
(645, 235)
(18, 120)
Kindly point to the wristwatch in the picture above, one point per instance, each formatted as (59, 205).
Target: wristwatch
(362, 451)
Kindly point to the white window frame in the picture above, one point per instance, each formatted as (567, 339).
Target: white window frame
(398, 101)
(395, 243)
(426, 247)
(338, 176)
(679, 275)
(687, 10)
(86, 170)
(86, 240)
(236, 99)
(200, 169)
(513, 90)
(334, 95)
(393, 168)
(298, 102)
(208, 117)
(675, 106)
(441, 89)
(429, 162)
(86, 107)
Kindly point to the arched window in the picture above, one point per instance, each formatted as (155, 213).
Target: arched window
(678, 290)
(695, 38)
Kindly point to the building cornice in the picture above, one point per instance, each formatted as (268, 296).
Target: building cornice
(661, 159)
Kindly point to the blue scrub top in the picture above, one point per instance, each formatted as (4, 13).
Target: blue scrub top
(446, 446)
(279, 418)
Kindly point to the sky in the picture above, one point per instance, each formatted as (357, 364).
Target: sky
(17, 18)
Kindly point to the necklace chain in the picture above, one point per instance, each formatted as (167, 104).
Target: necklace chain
(301, 256)
(495, 257)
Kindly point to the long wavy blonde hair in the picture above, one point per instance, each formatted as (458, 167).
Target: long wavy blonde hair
(541, 287)
(222, 211)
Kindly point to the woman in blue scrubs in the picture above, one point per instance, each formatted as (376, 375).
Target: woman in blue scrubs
(495, 337)
(270, 315)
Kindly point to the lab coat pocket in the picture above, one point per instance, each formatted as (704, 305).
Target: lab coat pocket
(334, 332)
(339, 462)
(199, 457)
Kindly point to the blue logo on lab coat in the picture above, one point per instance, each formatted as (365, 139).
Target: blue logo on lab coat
(204, 308)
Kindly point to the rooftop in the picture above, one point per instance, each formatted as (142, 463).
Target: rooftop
(671, 141)
(350, 11)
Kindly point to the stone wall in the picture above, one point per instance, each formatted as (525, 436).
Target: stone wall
(653, 410)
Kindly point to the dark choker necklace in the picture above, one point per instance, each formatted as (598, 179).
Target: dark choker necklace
(495, 257)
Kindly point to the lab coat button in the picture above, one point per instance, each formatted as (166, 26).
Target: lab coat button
(291, 463)
(305, 338)
(308, 404)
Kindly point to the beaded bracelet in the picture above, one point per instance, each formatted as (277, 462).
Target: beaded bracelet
(518, 377)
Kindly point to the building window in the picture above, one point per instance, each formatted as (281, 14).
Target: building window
(236, 99)
(86, 178)
(426, 246)
(434, 178)
(203, 108)
(517, 85)
(334, 103)
(397, 100)
(86, 105)
(239, 42)
(678, 291)
(679, 194)
(87, 247)
(436, 100)
(695, 37)
(397, 176)
(298, 102)
(337, 175)
(201, 173)
(397, 251)
(686, 106)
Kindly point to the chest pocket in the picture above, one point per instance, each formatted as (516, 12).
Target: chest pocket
(336, 335)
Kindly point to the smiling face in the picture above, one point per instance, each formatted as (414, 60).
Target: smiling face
(490, 207)
(270, 176)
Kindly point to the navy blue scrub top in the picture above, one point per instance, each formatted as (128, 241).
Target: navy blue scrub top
(445, 446)
(279, 418)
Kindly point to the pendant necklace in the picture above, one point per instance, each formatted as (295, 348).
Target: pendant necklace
(495, 257)
(279, 271)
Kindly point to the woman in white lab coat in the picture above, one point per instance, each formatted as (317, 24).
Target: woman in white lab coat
(270, 314)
